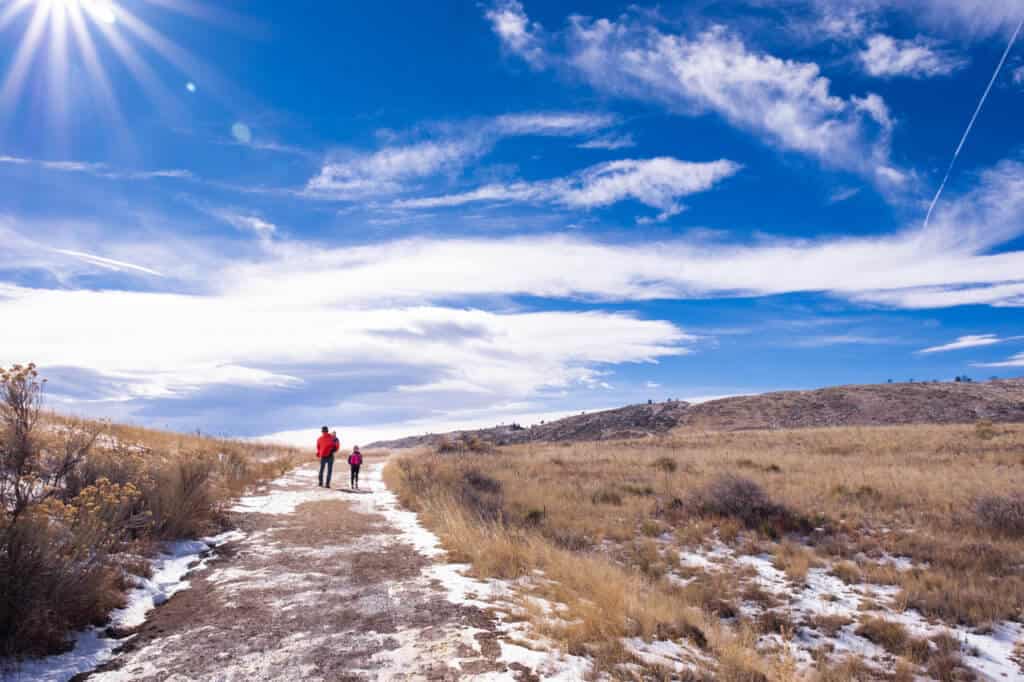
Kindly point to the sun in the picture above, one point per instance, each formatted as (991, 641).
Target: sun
(59, 34)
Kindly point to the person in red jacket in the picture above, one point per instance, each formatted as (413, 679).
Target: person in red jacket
(326, 445)
(355, 460)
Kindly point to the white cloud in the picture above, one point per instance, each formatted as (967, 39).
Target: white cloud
(609, 142)
(242, 221)
(787, 102)
(957, 18)
(99, 170)
(386, 171)
(165, 345)
(398, 167)
(1014, 361)
(657, 182)
(552, 123)
(887, 57)
(842, 194)
(517, 34)
(947, 264)
(844, 340)
(969, 341)
(1018, 75)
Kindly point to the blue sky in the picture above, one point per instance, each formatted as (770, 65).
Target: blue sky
(252, 218)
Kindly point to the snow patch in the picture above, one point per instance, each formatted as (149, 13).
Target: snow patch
(91, 647)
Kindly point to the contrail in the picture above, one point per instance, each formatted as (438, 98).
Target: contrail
(981, 103)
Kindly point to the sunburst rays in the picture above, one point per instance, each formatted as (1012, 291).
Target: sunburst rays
(61, 39)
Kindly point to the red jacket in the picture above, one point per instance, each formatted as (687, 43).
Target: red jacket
(326, 445)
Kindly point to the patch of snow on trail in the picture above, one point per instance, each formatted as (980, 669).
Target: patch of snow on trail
(91, 647)
(282, 501)
(464, 590)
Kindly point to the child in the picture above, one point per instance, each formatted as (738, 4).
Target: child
(354, 461)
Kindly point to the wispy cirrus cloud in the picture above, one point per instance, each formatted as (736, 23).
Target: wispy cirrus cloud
(969, 341)
(398, 167)
(842, 194)
(1013, 361)
(100, 170)
(246, 222)
(657, 183)
(609, 142)
(787, 103)
(888, 57)
(958, 18)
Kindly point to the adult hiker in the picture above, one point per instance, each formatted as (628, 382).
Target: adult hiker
(355, 460)
(326, 445)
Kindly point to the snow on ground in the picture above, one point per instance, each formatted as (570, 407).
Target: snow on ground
(465, 590)
(91, 647)
(281, 501)
(823, 594)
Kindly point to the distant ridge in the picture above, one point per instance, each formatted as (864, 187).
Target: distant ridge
(998, 400)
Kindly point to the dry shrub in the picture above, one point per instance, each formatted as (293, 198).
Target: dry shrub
(80, 501)
(483, 495)
(794, 560)
(888, 634)
(608, 496)
(830, 623)
(182, 500)
(985, 429)
(740, 498)
(666, 464)
(775, 622)
(1001, 513)
(848, 572)
(851, 668)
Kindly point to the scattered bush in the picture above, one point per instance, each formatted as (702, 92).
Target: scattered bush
(607, 496)
(666, 464)
(733, 496)
(1001, 513)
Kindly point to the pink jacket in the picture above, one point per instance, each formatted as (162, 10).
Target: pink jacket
(355, 459)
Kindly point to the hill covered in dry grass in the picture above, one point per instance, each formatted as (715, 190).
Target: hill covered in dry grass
(998, 401)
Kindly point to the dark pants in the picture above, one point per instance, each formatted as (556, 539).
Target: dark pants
(329, 463)
(355, 474)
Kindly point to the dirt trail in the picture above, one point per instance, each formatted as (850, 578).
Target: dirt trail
(326, 585)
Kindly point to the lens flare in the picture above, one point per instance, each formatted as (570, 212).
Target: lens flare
(60, 34)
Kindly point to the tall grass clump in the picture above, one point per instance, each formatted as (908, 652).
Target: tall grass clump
(81, 500)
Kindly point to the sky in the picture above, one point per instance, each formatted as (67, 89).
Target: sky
(254, 218)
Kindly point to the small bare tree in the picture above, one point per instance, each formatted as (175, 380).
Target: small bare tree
(29, 472)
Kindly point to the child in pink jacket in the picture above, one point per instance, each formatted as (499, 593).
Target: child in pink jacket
(355, 460)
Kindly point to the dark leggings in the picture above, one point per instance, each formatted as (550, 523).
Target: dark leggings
(355, 475)
(327, 462)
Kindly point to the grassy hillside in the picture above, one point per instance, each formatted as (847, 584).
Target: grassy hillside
(755, 553)
(83, 503)
(868, 405)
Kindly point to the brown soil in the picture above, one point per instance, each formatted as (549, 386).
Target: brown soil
(324, 593)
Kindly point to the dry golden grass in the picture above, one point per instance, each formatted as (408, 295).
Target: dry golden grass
(599, 519)
(81, 501)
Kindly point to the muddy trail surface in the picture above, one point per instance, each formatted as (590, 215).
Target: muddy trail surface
(327, 584)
